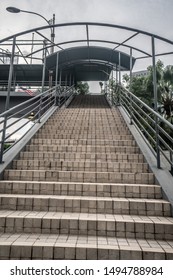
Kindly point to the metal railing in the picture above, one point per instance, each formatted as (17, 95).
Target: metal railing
(155, 130)
(27, 114)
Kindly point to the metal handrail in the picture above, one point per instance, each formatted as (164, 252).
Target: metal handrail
(39, 105)
(151, 125)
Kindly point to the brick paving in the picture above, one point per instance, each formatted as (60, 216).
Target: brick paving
(81, 189)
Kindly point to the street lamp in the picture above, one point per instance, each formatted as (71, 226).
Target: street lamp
(49, 22)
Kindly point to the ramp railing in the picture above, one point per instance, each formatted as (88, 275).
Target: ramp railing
(21, 118)
(153, 127)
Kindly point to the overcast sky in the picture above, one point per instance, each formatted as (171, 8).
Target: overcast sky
(155, 16)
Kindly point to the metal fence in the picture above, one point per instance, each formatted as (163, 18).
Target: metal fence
(28, 113)
(156, 130)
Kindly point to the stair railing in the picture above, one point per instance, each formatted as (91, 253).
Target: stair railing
(156, 131)
(21, 118)
(65, 95)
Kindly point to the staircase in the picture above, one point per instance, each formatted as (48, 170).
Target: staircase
(82, 190)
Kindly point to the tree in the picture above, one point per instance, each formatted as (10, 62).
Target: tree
(82, 88)
(159, 79)
(137, 87)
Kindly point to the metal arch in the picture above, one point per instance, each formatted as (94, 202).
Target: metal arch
(52, 43)
(92, 40)
(137, 31)
(129, 38)
(109, 50)
(89, 24)
(105, 41)
(73, 63)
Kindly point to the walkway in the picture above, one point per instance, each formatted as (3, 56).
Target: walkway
(82, 190)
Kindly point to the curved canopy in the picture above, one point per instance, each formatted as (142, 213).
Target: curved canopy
(89, 63)
(86, 50)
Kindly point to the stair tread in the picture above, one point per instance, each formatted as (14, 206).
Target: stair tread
(85, 192)
(84, 183)
(85, 216)
(73, 198)
(123, 248)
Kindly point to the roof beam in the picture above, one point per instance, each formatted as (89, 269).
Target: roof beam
(52, 43)
(129, 38)
(21, 54)
(104, 41)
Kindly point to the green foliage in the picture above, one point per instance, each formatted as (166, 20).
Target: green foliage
(142, 86)
(6, 146)
(82, 88)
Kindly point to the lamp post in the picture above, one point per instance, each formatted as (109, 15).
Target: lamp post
(49, 22)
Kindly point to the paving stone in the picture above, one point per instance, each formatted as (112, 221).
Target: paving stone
(81, 189)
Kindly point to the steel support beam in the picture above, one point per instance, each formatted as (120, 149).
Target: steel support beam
(32, 47)
(119, 67)
(57, 64)
(7, 103)
(155, 99)
(131, 67)
(44, 70)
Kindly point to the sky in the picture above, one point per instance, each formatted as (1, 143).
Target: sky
(154, 16)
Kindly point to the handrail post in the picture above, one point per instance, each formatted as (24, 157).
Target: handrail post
(7, 99)
(112, 89)
(131, 65)
(119, 66)
(56, 77)
(43, 80)
(171, 159)
(155, 100)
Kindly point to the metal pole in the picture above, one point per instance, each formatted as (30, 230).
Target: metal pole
(43, 80)
(7, 103)
(32, 47)
(14, 80)
(10, 74)
(119, 58)
(112, 87)
(66, 79)
(60, 77)
(131, 65)
(43, 70)
(155, 100)
(60, 80)
(116, 74)
(53, 34)
(56, 76)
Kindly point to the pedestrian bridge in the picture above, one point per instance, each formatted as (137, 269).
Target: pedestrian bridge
(87, 181)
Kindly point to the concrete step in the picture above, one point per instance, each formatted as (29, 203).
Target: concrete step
(79, 176)
(81, 130)
(90, 125)
(86, 204)
(81, 189)
(97, 157)
(124, 226)
(82, 142)
(82, 149)
(72, 121)
(88, 137)
(66, 247)
(80, 166)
